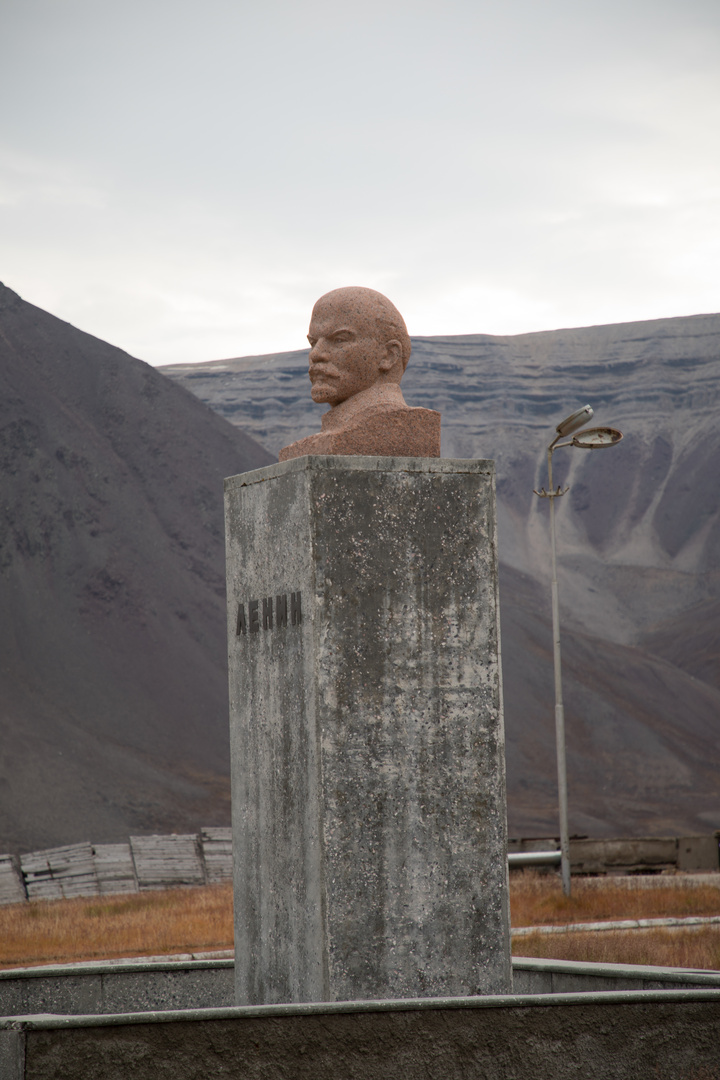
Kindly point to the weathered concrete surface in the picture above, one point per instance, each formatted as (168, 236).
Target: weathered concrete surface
(664, 1035)
(533, 976)
(135, 986)
(12, 1054)
(367, 739)
(117, 988)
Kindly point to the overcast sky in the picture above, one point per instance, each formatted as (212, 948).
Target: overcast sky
(184, 179)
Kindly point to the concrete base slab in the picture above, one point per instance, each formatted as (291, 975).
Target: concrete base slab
(659, 1034)
(111, 987)
(143, 985)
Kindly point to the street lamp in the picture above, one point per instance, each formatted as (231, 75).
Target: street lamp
(589, 439)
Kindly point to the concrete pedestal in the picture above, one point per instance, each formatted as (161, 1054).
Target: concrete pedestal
(368, 775)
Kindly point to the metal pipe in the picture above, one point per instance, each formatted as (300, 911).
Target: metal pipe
(559, 708)
(533, 858)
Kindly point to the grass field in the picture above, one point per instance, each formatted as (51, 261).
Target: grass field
(538, 900)
(107, 927)
(195, 920)
(698, 948)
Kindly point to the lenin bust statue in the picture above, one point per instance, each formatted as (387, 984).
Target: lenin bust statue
(359, 349)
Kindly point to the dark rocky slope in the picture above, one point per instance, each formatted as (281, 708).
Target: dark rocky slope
(639, 547)
(113, 710)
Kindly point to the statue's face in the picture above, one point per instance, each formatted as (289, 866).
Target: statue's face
(346, 353)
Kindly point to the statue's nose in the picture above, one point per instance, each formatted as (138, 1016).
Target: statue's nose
(318, 351)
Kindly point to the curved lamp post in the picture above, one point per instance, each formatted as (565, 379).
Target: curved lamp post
(589, 439)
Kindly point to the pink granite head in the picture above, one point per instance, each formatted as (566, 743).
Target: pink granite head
(357, 340)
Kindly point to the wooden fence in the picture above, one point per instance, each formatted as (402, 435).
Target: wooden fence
(146, 862)
(164, 862)
(632, 855)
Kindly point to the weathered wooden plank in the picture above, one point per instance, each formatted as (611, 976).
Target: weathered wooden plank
(115, 868)
(217, 853)
(38, 877)
(166, 861)
(623, 855)
(60, 872)
(12, 889)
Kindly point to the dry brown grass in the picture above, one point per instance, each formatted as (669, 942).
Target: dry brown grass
(195, 920)
(538, 900)
(104, 927)
(665, 948)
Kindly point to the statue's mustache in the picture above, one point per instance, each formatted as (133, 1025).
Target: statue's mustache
(324, 371)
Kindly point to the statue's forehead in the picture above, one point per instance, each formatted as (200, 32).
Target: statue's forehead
(332, 314)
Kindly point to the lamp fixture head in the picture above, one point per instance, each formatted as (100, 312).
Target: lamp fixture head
(595, 437)
(574, 421)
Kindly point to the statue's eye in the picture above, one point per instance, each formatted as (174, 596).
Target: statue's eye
(341, 337)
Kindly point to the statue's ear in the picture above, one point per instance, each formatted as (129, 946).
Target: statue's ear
(393, 355)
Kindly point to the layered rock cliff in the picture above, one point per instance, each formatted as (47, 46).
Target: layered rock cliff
(638, 544)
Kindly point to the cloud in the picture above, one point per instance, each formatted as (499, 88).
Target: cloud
(185, 181)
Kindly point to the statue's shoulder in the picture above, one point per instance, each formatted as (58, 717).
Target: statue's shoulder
(383, 430)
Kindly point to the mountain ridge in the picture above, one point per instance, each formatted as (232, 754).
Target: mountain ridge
(113, 706)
